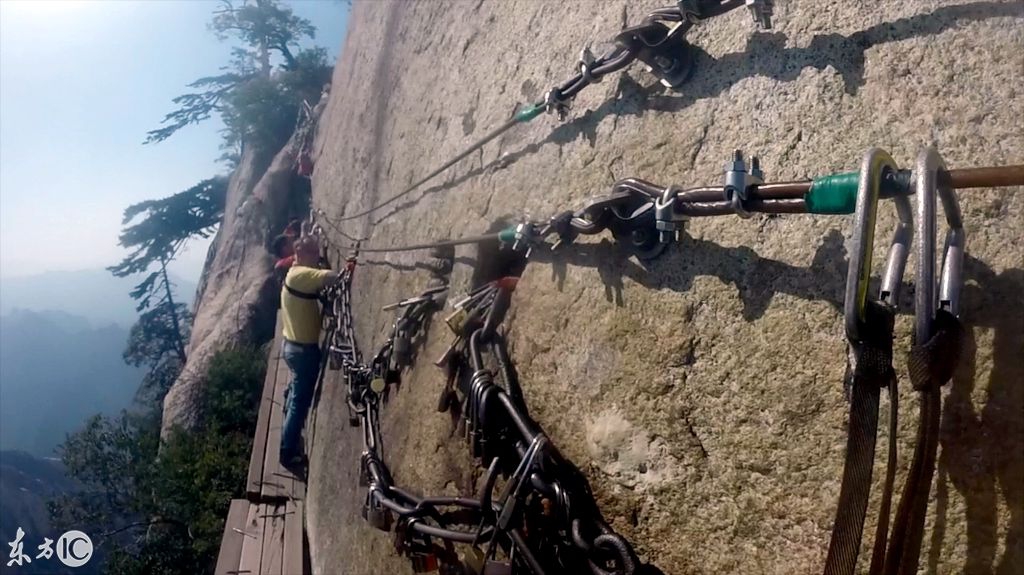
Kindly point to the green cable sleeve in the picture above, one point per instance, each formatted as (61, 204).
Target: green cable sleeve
(833, 194)
(530, 112)
(507, 235)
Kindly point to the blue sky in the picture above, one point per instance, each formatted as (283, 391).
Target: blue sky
(80, 84)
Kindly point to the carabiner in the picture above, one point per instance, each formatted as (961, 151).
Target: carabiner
(873, 168)
(926, 184)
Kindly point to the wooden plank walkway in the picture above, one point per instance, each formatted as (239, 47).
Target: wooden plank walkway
(278, 483)
(264, 534)
(263, 539)
(234, 537)
(254, 483)
(294, 539)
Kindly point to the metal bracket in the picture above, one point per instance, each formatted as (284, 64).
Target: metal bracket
(761, 11)
(738, 180)
(525, 237)
(554, 102)
(586, 64)
(665, 218)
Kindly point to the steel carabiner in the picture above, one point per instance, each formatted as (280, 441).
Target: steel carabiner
(927, 185)
(875, 165)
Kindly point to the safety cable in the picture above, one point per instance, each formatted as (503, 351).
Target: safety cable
(440, 244)
(523, 115)
(633, 206)
(667, 57)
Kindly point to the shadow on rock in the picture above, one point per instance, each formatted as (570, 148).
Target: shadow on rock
(756, 279)
(981, 452)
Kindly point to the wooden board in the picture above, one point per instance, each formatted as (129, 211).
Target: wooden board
(252, 546)
(294, 541)
(278, 482)
(273, 540)
(253, 486)
(231, 542)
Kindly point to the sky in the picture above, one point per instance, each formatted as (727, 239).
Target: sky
(81, 82)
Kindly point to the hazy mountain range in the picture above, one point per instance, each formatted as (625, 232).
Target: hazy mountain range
(55, 371)
(61, 339)
(95, 295)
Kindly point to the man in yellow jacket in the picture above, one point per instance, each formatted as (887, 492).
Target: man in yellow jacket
(300, 316)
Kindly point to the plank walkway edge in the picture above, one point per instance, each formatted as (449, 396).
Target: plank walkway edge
(231, 543)
(254, 480)
(264, 534)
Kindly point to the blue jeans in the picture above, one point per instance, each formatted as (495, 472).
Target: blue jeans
(304, 362)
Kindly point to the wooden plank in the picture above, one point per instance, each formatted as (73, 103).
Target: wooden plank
(253, 486)
(278, 482)
(273, 541)
(294, 487)
(252, 546)
(231, 542)
(294, 542)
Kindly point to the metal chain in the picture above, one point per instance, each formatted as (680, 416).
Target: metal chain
(545, 519)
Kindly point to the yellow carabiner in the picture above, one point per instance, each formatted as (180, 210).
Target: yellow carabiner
(875, 165)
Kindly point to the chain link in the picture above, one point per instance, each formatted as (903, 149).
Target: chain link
(541, 489)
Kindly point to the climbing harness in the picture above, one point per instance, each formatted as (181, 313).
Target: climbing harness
(660, 46)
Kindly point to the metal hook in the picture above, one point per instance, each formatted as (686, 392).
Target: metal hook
(926, 184)
(873, 168)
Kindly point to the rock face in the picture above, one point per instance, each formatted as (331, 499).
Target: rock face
(700, 393)
(237, 296)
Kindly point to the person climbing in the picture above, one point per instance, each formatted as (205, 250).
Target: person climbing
(300, 319)
(283, 246)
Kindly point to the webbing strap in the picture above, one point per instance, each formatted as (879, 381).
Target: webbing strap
(882, 529)
(301, 294)
(872, 370)
(931, 365)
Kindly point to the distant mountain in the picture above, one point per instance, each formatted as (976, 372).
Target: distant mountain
(95, 295)
(56, 369)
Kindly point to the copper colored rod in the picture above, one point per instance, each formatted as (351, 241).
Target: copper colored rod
(775, 191)
(987, 177)
(782, 190)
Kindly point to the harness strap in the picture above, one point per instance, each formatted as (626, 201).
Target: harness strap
(301, 294)
(872, 369)
(882, 529)
(931, 365)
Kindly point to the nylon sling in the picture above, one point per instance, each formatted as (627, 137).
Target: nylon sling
(931, 364)
(872, 369)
